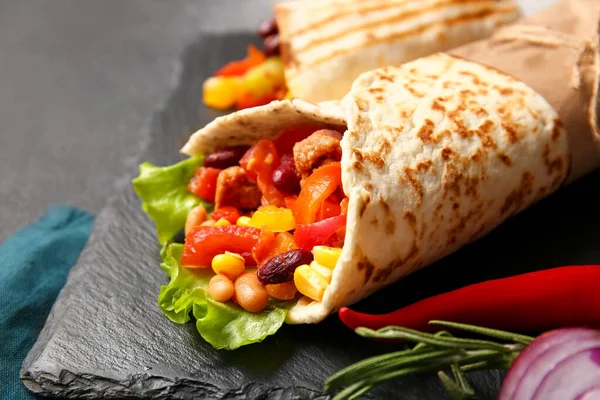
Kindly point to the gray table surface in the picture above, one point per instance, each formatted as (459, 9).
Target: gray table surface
(79, 80)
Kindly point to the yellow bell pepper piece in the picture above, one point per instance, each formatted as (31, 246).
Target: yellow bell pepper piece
(221, 92)
(322, 270)
(275, 218)
(243, 221)
(265, 78)
(327, 256)
(309, 282)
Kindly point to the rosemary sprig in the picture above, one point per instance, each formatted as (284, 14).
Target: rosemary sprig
(432, 353)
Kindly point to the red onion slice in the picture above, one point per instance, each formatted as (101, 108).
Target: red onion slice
(572, 377)
(547, 361)
(539, 346)
(593, 394)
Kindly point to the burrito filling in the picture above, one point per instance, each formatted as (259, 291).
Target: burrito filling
(264, 228)
(279, 218)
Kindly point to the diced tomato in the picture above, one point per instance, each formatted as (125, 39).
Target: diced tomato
(316, 189)
(238, 68)
(329, 208)
(318, 233)
(259, 162)
(288, 138)
(247, 101)
(344, 206)
(261, 250)
(230, 213)
(205, 242)
(204, 183)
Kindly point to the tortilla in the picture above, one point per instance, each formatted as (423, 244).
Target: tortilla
(326, 44)
(441, 150)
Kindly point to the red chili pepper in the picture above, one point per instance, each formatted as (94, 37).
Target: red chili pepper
(204, 183)
(532, 302)
(205, 242)
(230, 213)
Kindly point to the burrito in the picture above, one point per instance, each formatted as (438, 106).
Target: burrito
(325, 45)
(314, 49)
(295, 209)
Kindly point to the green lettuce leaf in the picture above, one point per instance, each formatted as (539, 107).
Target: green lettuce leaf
(223, 325)
(165, 197)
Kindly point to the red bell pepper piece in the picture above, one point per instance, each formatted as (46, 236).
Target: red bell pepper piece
(318, 233)
(329, 209)
(240, 67)
(315, 190)
(287, 139)
(532, 302)
(230, 213)
(204, 183)
(247, 101)
(259, 162)
(205, 242)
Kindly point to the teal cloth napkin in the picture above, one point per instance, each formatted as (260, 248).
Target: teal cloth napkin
(34, 264)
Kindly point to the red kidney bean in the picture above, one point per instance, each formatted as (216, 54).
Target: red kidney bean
(280, 268)
(285, 177)
(268, 27)
(225, 158)
(271, 45)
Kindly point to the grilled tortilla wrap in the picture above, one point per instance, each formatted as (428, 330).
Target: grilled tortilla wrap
(326, 44)
(441, 150)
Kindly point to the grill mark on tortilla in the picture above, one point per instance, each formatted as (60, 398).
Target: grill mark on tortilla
(471, 185)
(413, 91)
(446, 153)
(357, 166)
(410, 176)
(483, 131)
(516, 198)
(426, 131)
(511, 132)
(384, 273)
(376, 90)
(552, 165)
(451, 180)
(505, 159)
(455, 231)
(423, 166)
(557, 130)
(391, 20)
(437, 105)
(414, 32)
(365, 264)
(374, 159)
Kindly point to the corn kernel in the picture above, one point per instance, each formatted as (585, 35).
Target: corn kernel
(229, 264)
(327, 256)
(309, 282)
(222, 222)
(322, 270)
(243, 221)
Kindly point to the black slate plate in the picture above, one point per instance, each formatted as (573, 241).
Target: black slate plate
(106, 337)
